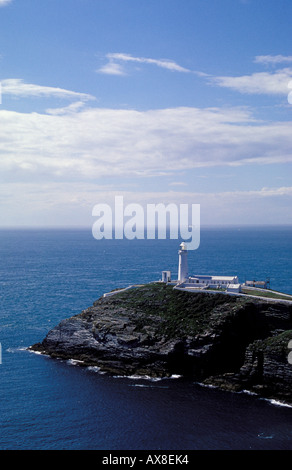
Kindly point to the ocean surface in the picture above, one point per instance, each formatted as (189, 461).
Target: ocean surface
(46, 404)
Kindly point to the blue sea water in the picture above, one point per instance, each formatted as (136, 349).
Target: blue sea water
(49, 275)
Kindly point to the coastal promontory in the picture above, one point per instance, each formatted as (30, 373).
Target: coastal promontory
(233, 342)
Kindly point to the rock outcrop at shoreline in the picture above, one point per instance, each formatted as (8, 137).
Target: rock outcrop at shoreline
(233, 342)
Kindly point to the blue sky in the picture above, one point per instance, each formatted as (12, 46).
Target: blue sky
(182, 101)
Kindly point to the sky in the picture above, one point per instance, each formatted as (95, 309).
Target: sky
(158, 101)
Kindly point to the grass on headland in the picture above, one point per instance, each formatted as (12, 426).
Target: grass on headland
(266, 293)
(172, 312)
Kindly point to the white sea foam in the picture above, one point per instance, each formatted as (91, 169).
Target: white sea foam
(148, 386)
(248, 392)
(272, 401)
(277, 402)
(16, 350)
(95, 369)
(138, 377)
(146, 377)
(38, 353)
(74, 362)
(261, 435)
(205, 385)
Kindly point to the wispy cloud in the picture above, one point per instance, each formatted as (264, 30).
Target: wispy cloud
(112, 68)
(91, 143)
(3, 3)
(18, 88)
(275, 83)
(72, 108)
(115, 61)
(177, 183)
(164, 63)
(272, 59)
(71, 203)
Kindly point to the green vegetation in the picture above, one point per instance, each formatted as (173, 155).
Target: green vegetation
(275, 344)
(266, 293)
(173, 312)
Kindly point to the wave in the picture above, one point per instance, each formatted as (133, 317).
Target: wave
(148, 386)
(275, 402)
(96, 369)
(138, 377)
(201, 384)
(261, 435)
(37, 353)
(151, 379)
(272, 401)
(147, 377)
(74, 362)
(16, 349)
(249, 392)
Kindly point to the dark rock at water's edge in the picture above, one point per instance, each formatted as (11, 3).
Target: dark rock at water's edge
(233, 342)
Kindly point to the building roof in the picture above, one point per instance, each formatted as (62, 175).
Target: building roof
(201, 276)
(214, 278)
(223, 278)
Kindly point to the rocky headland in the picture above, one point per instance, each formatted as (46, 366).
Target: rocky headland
(233, 342)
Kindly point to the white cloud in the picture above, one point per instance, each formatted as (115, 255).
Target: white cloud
(71, 204)
(4, 2)
(275, 83)
(272, 59)
(164, 63)
(18, 88)
(271, 192)
(177, 183)
(93, 143)
(114, 66)
(72, 108)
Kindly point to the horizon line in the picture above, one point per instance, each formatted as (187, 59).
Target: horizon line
(89, 227)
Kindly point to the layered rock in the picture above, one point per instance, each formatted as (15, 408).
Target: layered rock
(233, 342)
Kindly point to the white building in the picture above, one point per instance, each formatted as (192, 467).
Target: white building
(183, 273)
(166, 276)
(234, 288)
(200, 281)
(260, 284)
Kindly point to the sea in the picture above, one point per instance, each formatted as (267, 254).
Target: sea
(47, 275)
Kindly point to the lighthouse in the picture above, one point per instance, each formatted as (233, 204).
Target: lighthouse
(183, 263)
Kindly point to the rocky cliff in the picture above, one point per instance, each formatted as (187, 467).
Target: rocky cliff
(233, 342)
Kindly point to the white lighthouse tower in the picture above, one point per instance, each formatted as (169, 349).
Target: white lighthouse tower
(183, 274)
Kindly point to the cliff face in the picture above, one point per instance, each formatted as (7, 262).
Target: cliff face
(233, 342)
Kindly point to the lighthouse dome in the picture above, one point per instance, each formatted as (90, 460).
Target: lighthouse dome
(183, 246)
